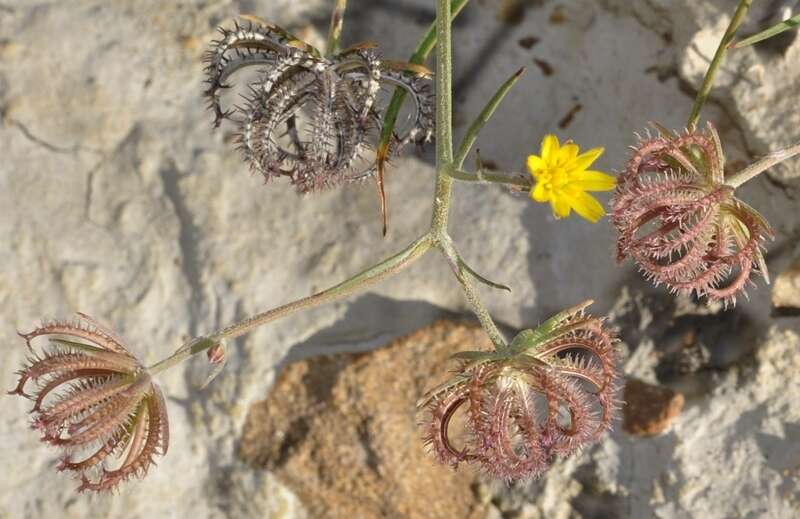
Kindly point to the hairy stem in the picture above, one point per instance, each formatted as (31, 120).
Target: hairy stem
(444, 119)
(762, 165)
(444, 164)
(419, 57)
(335, 31)
(357, 283)
(482, 313)
(464, 279)
(716, 61)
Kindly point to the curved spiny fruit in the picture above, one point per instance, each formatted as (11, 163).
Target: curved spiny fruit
(551, 392)
(94, 401)
(680, 221)
(312, 119)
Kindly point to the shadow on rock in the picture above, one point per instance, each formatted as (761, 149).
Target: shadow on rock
(341, 430)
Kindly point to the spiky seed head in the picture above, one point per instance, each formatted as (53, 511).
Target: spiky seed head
(680, 222)
(94, 401)
(550, 393)
(314, 120)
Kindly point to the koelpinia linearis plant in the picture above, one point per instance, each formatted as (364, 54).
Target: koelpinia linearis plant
(543, 395)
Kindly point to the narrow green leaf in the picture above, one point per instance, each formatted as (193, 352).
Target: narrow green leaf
(528, 339)
(776, 29)
(482, 279)
(483, 118)
(471, 355)
(419, 57)
(523, 338)
(335, 31)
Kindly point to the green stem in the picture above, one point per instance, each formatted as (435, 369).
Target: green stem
(444, 119)
(478, 308)
(492, 177)
(427, 43)
(444, 164)
(716, 61)
(482, 313)
(419, 57)
(335, 31)
(762, 165)
(437, 236)
(357, 283)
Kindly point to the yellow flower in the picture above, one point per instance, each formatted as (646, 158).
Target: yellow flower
(563, 180)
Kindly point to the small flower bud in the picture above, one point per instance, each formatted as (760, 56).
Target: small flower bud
(216, 353)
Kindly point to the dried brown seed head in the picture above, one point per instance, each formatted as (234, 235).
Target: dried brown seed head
(310, 118)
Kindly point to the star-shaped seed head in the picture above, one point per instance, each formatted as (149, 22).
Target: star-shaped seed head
(552, 391)
(681, 223)
(94, 401)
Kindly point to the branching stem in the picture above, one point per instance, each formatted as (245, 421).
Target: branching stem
(464, 277)
(357, 283)
(437, 236)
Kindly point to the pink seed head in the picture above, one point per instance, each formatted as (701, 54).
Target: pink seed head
(94, 401)
(550, 393)
(681, 223)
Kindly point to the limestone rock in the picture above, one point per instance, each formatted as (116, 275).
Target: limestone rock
(786, 290)
(120, 201)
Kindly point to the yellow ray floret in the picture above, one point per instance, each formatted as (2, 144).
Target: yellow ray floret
(562, 178)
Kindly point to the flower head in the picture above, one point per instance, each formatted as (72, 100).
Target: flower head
(562, 178)
(551, 392)
(94, 401)
(680, 221)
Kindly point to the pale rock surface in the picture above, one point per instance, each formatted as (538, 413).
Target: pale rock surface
(786, 292)
(119, 201)
(758, 86)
